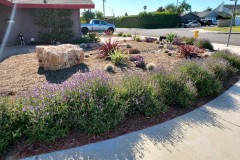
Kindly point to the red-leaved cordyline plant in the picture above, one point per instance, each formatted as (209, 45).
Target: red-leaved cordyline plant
(189, 51)
(108, 47)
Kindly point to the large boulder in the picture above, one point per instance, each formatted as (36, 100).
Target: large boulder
(59, 57)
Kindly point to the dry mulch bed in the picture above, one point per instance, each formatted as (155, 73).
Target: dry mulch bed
(21, 73)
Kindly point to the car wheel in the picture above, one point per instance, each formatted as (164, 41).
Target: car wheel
(84, 31)
(110, 30)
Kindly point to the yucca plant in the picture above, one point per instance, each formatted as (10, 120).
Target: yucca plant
(171, 36)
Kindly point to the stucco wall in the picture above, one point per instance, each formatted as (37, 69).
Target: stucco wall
(4, 16)
(224, 23)
(24, 24)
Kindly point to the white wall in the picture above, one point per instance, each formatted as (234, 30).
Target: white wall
(237, 21)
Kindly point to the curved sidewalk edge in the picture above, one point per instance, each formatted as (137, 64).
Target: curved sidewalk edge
(209, 132)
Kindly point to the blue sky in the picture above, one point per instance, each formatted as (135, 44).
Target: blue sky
(133, 7)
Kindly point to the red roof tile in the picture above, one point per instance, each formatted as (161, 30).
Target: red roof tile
(67, 4)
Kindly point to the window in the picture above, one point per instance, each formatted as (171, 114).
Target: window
(102, 23)
(96, 22)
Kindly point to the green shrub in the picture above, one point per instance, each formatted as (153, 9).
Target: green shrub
(96, 108)
(150, 66)
(171, 36)
(117, 57)
(11, 124)
(205, 82)
(232, 58)
(189, 40)
(175, 91)
(140, 96)
(150, 20)
(137, 38)
(109, 68)
(221, 68)
(204, 43)
(126, 35)
(120, 34)
(91, 37)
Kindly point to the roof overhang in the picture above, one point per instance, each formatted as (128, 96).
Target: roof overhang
(48, 6)
(6, 3)
(56, 6)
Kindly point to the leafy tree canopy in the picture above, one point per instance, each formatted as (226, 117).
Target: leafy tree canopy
(57, 22)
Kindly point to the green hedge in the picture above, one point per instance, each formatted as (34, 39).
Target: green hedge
(146, 20)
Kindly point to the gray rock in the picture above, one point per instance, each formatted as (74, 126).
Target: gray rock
(82, 45)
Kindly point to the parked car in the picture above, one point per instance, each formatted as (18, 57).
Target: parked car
(96, 25)
(192, 24)
(214, 22)
(207, 22)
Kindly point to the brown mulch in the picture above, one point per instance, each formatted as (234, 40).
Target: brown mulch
(21, 74)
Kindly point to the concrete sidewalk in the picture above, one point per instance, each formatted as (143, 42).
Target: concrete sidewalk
(15, 50)
(210, 132)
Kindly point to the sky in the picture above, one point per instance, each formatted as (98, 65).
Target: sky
(133, 7)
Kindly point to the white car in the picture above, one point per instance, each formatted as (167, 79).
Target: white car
(193, 24)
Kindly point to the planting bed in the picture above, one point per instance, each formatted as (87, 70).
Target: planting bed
(21, 73)
(98, 105)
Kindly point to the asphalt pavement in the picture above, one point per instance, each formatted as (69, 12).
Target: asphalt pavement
(220, 38)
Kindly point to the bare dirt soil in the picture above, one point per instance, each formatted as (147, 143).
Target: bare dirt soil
(20, 73)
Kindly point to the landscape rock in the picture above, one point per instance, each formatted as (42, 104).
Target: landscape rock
(130, 50)
(83, 45)
(59, 57)
(161, 46)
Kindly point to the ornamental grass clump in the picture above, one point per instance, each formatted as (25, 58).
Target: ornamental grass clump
(108, 47)
(232, 58)
(204, 43)
(189, 40)
(140, 96)
(205, 82)
(117, 57)
(175, 90)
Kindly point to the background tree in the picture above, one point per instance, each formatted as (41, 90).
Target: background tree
(145, 7)
(57, 24)
(126, 14)
(208, 9)
(88, 15)
(99, 15)
(171, 8)
(184, 6)
(160, 9)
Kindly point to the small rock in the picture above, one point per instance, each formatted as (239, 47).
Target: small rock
(87, 55)
(166, 51)
(169, 54)
(161, 46)
(82, 45)
(157, 42)
(133, 51)
(128, 46)
(124, 40)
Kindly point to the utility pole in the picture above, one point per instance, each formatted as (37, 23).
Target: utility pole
(104, 9)
(113, 15)
(233, 19)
